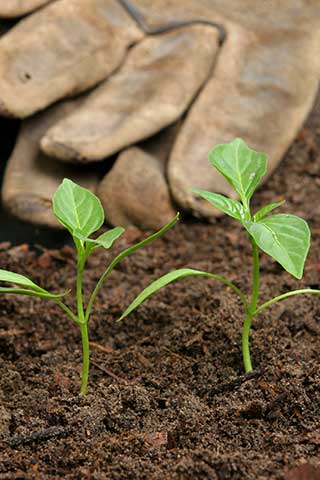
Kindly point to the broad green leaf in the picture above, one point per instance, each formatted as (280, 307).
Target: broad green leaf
(171, 277)
(77, 208)
(241, 166)
(266, 209)
(225, 204)
(286, 238)
(105, 240)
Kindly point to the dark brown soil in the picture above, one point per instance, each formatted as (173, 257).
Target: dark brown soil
(167, 397)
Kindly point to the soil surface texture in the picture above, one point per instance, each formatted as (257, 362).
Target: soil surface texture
(168, 398)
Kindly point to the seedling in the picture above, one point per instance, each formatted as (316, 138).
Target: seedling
(81, 213)
(286, 238)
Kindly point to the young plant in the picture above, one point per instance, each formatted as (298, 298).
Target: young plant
(81, 213)
(286, 238)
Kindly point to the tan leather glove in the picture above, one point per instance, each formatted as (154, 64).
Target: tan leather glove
(16, 8)
(258, 84)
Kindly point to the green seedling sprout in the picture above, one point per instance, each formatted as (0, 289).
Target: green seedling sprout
(286, 238)
(81, 213)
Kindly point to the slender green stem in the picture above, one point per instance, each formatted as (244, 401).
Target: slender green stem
(85, 358)
(95, 292)
(235, 289)
(283, 296)
(122, 255)
(252, 307)
(98, 286)
(255, 276)
(80, 267)
(245, 343)
(67, 310)
(228, 284)
(83, 322)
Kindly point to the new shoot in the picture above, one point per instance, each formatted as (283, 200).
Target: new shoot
(82, 214)
(286, 238)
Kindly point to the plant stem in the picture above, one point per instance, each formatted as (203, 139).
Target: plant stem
(85, 358)
(121, 256)
(68, 311)
(228, 284)
(80, 266)
(255, 276)
(252, 307)
(283, 296)
(97, 288)
(245, 343)
(83, 322)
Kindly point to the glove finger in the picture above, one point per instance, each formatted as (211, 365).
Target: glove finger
(135, 190)
(16, 8)
(154, 87)
(155, 16)
(262, 89)
(31, 178)
(64, 48)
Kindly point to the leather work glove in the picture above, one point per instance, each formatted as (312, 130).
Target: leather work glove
(201, 72)
(15, 8)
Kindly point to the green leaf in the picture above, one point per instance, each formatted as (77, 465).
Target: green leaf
(77, 208)
(105, 240)
(141, 244)
(225, 204)
(286, 238)
(171, 277)
(33, 293)
(266, 209)
(241, 166)
(11, 277)
(32, 288)
(124, 254)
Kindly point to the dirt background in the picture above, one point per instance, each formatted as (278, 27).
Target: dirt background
(167, 396)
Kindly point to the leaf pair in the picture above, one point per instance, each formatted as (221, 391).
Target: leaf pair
(286, 238)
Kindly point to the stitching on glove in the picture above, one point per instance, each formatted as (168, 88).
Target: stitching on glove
(137, 16)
